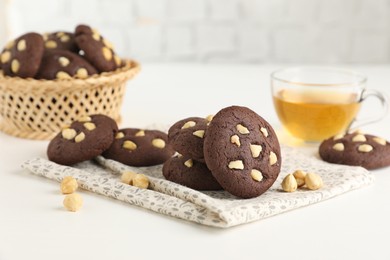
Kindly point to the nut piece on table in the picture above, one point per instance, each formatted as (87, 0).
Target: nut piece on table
(141, 181)
(300, 177)
(68, 185)
(289, 184)
(127, 177)
(313, 181)
(73, 202)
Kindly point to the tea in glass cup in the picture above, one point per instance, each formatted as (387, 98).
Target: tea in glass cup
(315, 103)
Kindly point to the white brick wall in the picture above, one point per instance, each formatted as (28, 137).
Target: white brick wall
(3, 20)
(224, 10)
(296, 31)
(253, 43)
(179, 42)
(185, 10)
(150, 10)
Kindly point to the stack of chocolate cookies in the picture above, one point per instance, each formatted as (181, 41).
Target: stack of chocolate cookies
(236, 150)
(188, 168)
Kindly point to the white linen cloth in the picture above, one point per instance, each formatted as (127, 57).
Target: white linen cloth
(211, 208)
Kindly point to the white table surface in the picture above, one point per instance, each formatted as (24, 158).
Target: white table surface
(34, 224)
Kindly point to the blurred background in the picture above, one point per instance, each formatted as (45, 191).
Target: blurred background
(219, 31)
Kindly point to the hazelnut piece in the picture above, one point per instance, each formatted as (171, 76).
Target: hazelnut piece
(73, 202)
(289, 183)
(141, 181)
(238, 164)
(68, 185)
(313, 181)
(256, 175)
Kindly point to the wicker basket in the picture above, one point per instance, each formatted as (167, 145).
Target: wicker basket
(38, 109)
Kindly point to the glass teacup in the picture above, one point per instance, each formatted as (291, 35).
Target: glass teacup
(314, 103)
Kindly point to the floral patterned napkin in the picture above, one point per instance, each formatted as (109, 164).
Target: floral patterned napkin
(211, 208)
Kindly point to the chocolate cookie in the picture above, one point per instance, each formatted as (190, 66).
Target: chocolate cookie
(82, 140)
(97, 50)
(61, 64)
(242, 151)
(356, 149)
(190, 173)
(22, 57)
(5, 55)
(186, 137)
(60, 41)
(137, 147)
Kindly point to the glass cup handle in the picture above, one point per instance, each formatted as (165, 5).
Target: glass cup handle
(356, 123)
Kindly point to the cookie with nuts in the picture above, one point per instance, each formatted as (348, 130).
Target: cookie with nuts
(242, 151)
(61, 64)
(356, 149)
(187, 137)
(97, 50)
(60, 40)
(190, 173)
(22, 56)
(138, 147)
(84, 139)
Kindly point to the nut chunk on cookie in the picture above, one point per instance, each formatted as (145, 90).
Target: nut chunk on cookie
(242, 151)
(83, 140)
(356, 149)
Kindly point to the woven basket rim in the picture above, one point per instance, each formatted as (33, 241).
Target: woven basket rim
(125, 72)
(23, 99)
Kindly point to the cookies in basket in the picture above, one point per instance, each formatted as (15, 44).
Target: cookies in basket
(60, 40)
(22, 56)
(48, 81)
(97, 50)
(30, 54)
(62, 64)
